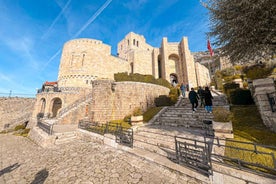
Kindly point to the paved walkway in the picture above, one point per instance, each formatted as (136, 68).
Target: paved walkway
(24, 162)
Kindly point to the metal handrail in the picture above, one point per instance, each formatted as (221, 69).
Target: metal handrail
(48, 128)
(123, 135)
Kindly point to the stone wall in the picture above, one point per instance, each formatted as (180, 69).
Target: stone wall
(259, 89)
(203, 76)
(113, 100)
(15, 111)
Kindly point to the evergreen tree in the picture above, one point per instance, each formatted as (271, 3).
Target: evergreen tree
(244, 29)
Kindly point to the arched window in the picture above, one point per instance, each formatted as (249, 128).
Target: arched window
(133, 41)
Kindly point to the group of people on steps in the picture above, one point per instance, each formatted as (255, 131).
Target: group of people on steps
(204, 95)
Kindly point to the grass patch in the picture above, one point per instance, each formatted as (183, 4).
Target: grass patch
(22, 132)
(148, 115)
(248, 127)
(121, 122)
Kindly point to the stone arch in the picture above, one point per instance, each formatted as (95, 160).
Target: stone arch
(173, 67)
(56, 106)
(42, 106)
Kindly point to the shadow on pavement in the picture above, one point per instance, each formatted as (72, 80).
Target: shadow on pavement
(40, 177)
(9, 169)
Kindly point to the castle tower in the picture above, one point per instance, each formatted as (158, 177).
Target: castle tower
(85, 60)
(137, 52)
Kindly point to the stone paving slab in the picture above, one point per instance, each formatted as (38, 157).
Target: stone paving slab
(22, 161)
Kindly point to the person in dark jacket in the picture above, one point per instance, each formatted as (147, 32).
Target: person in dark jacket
(200, 93)
(208, 100)
(193, 97)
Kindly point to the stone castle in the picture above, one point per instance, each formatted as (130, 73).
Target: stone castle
(85, 60)
(86, 86)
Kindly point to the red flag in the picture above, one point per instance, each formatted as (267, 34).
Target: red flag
(210, 48)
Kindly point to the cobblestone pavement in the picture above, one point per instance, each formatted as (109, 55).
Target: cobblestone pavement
(22, 161)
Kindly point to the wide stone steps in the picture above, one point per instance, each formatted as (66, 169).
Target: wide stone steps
(163, 151)
(161, 139)
(65, 137)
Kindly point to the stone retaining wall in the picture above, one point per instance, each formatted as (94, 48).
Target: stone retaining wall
(114, 100)
(15, 111)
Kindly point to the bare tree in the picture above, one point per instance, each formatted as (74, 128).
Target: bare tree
(243, 29)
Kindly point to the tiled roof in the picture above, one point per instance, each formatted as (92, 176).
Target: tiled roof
(50, 83)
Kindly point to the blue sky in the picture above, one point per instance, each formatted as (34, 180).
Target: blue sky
(32, 32)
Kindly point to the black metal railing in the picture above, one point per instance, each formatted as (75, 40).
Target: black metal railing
(123, 135)
(199, 154)
(271, 99)
(48, 128)
(195, 154)
(246, 155)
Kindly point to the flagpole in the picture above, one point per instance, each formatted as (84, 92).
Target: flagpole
(211, 54)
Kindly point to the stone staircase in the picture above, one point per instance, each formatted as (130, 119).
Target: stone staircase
(65, 137)
(159, 135)
(160, 139)
(75, 106)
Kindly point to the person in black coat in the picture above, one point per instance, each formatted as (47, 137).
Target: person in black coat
(208, 100)
(193, 97)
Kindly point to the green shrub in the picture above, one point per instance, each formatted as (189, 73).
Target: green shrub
(25, 132)
(228, 72)
(162, 100)
(221, 114)
(228, 87)
(19, 127)
(257, 71)
(241, 97)
(127, 118)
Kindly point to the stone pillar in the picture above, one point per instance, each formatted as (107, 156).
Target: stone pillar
(261, 87)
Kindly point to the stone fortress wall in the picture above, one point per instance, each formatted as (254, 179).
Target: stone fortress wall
(15, 110)
(87, 64)
(108, 100)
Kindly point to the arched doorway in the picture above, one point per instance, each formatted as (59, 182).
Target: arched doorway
(57, 104)
(42, 108)
(173, 79)
(172, 68)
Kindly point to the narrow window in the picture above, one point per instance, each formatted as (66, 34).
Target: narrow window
(128, 42)
(134, 42)
(137, 43)
(131, 67)
(83, 55)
